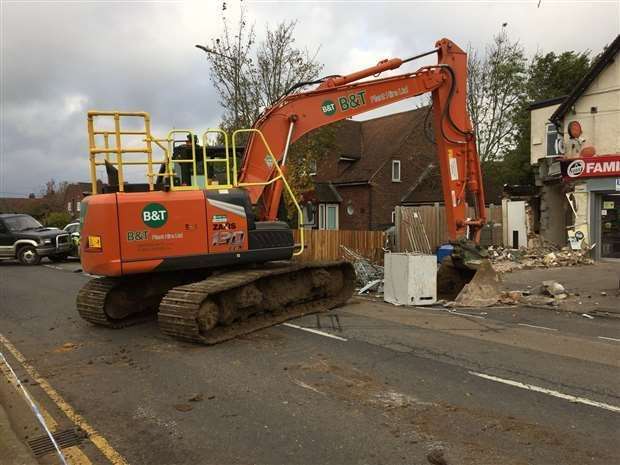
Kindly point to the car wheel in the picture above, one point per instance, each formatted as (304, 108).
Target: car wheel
(58, 258)
(27, 255)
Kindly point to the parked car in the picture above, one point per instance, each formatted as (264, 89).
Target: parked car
(24, 238)
(73, 229)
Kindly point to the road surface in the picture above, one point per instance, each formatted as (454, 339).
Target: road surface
(502, 385)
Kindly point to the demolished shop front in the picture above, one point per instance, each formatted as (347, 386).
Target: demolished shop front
(596, 202)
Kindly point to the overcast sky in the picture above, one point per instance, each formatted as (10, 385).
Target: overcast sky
(60, 59)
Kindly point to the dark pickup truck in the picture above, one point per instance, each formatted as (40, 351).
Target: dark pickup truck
(24, 238)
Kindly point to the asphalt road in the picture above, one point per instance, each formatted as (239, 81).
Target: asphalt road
(492, 386)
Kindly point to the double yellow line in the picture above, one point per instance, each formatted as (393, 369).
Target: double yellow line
(73, 454)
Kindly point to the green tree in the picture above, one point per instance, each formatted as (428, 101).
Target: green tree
(57, 219)
(549, 75)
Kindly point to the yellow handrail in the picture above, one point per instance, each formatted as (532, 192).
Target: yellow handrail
(118, 148)
(226, 159)
(280, 176)
(167, 145)
(171, 162)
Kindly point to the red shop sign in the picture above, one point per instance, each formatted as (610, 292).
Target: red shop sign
(590, 167)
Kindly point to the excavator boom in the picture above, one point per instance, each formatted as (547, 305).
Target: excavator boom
(342, 97)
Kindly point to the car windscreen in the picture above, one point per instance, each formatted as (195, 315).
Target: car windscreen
(21, 223)
(71, 228)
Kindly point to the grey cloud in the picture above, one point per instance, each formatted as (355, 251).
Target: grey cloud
(59, 60)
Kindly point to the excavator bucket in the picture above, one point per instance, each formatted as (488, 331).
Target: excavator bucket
(471, 284)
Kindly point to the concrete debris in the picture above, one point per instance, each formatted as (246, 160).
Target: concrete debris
(547, 293)
(555, 289)
(506, 260)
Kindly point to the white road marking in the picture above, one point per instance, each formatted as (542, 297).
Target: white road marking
(561, 395)
(307, 386)
(539, 327)
(467, 314)
(54, 267)
(609, 338)
(315, 331)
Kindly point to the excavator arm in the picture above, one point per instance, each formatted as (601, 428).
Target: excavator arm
(342, 97)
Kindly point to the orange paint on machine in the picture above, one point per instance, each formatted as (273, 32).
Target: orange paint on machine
(129, 233)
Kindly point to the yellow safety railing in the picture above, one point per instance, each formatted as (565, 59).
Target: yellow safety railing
(171, 162)
(167, 146)
(279, 177)
(120, 162)
(214, 161)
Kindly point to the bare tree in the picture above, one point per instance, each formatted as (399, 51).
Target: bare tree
(280, 65)
(248, 76)
(231, 66)
(495, 85)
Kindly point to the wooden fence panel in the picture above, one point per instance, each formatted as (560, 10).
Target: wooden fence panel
(325, 244)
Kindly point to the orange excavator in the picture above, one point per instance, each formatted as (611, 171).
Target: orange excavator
(200, 243)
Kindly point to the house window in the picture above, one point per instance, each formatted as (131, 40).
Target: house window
(328, 216)
(393, 216)
(312, 167)
(69, 207)
(395, 170)
(77, 207)
(555, 143)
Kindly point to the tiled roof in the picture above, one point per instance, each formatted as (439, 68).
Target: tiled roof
(372, 143)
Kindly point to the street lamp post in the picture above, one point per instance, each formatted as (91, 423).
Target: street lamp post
(235, 77)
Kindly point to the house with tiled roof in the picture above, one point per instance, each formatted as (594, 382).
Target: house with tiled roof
(376, 165)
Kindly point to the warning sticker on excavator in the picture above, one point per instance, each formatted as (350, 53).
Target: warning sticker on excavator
(454, 167)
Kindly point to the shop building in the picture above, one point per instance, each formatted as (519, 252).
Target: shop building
(575, 146)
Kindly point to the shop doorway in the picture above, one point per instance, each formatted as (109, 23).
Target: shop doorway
(610, 226)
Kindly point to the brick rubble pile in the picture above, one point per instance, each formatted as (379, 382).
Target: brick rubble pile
(507, 260)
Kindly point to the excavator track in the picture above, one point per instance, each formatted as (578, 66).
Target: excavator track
(121, 302)
(259, 298)
(91, 302)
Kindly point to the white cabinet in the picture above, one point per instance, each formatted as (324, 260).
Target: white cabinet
(410, 279)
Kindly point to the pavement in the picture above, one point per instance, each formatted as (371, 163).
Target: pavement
(592, 288)
(14, 451)
(509, 385)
